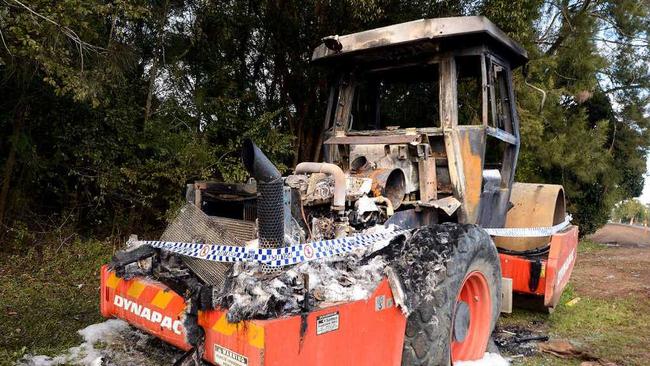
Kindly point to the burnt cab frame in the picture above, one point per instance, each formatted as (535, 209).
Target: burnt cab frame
(464, 145)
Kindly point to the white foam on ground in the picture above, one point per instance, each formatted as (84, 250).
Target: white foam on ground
(84, 354)
(489, 359)
(113, 341)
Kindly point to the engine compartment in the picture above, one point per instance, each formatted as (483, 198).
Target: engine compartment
(379, 185)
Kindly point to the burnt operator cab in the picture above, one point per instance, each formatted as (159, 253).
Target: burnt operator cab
(433, 97)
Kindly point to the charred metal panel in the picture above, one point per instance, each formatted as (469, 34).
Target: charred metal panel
(465, 147)
(409, 219)
(495, 202)
(448, 95)
(388, 157)
(373, 140)
(465, 154)
(534, 205)
(192, 225)
(422, 33)
(427, 174)
(512, 152)
(241, 229)
(502, 135)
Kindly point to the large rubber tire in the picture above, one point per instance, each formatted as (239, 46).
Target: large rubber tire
(428, 336)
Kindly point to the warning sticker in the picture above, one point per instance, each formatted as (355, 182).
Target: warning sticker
(225, 357)
(327, 323)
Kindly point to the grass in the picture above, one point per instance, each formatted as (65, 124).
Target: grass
(47, 295)
(588, 246)
(617, 330)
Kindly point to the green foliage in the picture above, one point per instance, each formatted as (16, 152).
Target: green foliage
(631, 211)
(578, 139)
(109, 109)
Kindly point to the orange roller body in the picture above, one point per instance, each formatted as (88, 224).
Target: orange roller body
(554, 272)
(366, 332)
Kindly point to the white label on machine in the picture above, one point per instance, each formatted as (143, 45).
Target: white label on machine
(327, 323)
(225, 357)
(565, 267)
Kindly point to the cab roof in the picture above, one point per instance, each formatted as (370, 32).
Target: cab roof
(424, 36)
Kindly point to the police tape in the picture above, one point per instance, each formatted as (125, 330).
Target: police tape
(294, 254)
(531, 232)
(274, 257)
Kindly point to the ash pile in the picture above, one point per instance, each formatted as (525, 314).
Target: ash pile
(415, 263)
(252, 294)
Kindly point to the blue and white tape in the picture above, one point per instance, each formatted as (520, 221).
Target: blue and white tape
(278, 257)
(530, 232)
(274, 257)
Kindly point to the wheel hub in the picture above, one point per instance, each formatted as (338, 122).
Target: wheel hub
(472, 319)
(461, 321)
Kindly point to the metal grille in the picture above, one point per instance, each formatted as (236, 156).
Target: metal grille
(250, 210)
(270, 217)
(241, 229)
(270, 214)
(193, 225)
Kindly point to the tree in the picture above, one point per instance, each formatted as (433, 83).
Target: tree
(631, 211)
(74, 76)
(110, 108)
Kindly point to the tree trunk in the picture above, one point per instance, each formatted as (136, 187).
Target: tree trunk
(153, 73)
(158, 57)
(19, 121)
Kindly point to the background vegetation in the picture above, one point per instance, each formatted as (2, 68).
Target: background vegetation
(631, 212)
(109, 108)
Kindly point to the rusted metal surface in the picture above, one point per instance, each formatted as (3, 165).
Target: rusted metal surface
(534, 205)
(389, 183)
(458, 152)
(374, 140)
(424, 33)
(389, 156)
(465, 153)
(427, 174)
(456, 165)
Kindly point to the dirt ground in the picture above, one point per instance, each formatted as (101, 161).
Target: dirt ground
(622, 235)
(604, 311)
(620, 270)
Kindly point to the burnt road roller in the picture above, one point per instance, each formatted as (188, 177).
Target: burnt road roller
(401, 247)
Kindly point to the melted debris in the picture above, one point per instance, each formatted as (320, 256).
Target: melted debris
(517, 340)
(421, 260)
(249, 294)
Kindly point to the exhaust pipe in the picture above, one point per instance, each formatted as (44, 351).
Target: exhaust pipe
(339, 180)
(270, 200)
